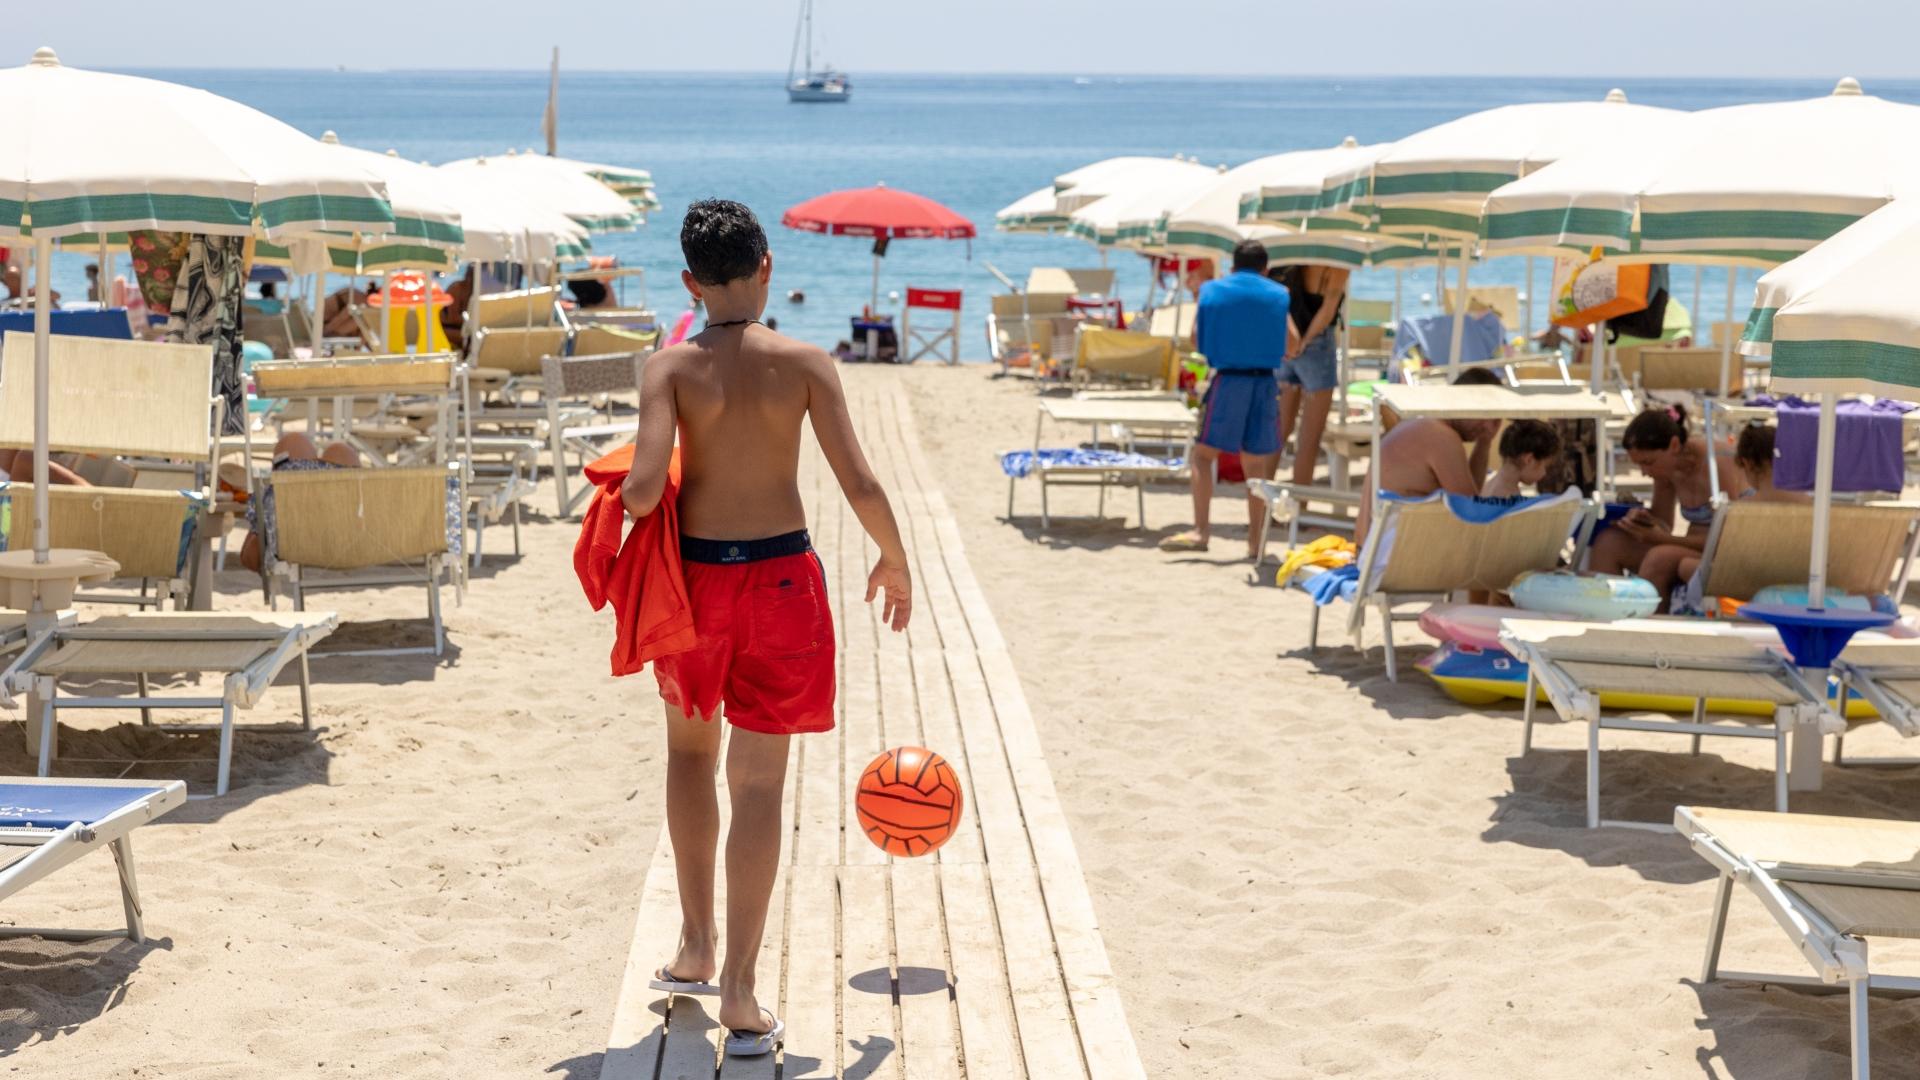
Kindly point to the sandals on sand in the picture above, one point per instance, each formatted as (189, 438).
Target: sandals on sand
(745, 1043)
(1185, 541)
(668, 981)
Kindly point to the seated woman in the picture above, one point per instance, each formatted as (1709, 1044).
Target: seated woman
(294, 453)
(1753, 453)
(1658, 442)
(18, 465)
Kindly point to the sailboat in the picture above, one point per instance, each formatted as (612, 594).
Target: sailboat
(810, 85)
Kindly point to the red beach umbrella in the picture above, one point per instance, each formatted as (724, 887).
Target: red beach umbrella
(879, 212)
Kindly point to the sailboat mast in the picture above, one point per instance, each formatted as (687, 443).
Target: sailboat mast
(809, 8)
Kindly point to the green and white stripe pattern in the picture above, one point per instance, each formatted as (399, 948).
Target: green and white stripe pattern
(1843, 315)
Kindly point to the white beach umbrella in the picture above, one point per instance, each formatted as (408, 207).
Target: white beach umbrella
(1302, 189)
(1215, 219)
(554, 184)
(1131, 215)
(1435, 182)
(1034, 212)
(1843, 319)
(1112, 176)
(632, 184)
(192, 162)
(426, 232)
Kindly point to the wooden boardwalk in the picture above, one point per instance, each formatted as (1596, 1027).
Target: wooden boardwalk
(983, 960)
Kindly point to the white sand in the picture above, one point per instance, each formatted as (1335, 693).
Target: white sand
(1300, 868)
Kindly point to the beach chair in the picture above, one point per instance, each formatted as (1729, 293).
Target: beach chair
(1096, 465)
(577, 376)
(1293, 505)
(1752, 545)
(1021, 328)
(141, 401)
(1886, 674)
(1830, 883)
(362, 523)
(1695, 370)
(359, 394)
(57, 822)
(1502, 300)
(594, 340)
(1061, 281)
(1104, 357)
(1575, 663)
(249, 651)
(1424, 549)
(1162, 321)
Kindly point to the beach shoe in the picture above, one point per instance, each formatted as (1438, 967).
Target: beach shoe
(1185, 541)
(666, 980)
(743, 1043)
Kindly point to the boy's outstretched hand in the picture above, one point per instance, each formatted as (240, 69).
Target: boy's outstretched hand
(897, 583)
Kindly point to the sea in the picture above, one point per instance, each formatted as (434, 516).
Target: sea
(974, 143)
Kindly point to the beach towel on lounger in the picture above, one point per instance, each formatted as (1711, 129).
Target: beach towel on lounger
(1021, 463)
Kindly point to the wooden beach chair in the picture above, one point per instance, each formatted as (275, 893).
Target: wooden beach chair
(578, 376)
(1752, 545)
(1831, 883)
(148, 404)
(376, 527)
(57, 822)
(1575, 663)
(1421, 550)
(249, 651)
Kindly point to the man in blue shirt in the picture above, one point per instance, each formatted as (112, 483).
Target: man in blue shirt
(1243, 329)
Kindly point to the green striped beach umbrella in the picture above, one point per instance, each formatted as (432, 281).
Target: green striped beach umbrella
(191, 161)
(1034, 212)
(1262, 199)
(1114, 176)
(1308, 189)
(1843, 320)
(1131, 216)
(554, 184)
(1746, 184)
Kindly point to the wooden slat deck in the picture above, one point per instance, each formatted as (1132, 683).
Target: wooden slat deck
(982, 961)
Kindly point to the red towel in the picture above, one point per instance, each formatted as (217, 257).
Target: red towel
(642, 576)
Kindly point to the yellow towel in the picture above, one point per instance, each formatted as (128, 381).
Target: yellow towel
(1328, 551)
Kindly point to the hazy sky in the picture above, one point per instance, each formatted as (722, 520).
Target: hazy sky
(1758, 38)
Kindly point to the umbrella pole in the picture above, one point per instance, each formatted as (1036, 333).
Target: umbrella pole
(1822, 500)
(1460, 309)
(42, 345)
(319, 328)
(1726, 346)
(1526, 304)
(1699, 272)
(873, 315)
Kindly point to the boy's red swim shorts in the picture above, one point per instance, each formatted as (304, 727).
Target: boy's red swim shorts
(764, 635)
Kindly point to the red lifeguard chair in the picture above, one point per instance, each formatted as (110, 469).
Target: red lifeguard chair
(941, 343)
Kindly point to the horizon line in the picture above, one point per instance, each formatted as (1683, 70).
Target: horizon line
(1063, 74)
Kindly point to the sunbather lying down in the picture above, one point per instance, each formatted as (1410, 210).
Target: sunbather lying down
(19, 468)
(294, 453)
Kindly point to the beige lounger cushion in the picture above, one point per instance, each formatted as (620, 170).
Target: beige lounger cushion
(600, 340)
(1432, 551)
(120, 657)
(518, 350)
(137, 528)
(1121, 355)
(361, 375)
(1762, 544)
(111, 397)
(351, 519)
(520, 307)
(1823, 841)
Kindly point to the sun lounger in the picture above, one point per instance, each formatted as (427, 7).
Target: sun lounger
(580, 376)
(248, 650)
(363, 522)
(1104, 357)
(1577, 662)
(1097, 465)
(1887, 675)
(358, 393)
(1830, 882)
(60, 821)
(130, 399)
(1424, 550)
(591, 340)
(1752, 545)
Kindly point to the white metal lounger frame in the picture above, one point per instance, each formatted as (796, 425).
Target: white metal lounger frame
(1103, 476)
(1838, 960)
(55, 848)
(1576, 703)
(1871, 682)
(240, 689)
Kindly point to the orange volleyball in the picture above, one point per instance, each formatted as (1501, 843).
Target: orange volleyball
(908, 801)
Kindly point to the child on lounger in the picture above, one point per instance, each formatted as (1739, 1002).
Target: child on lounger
(1527, 450)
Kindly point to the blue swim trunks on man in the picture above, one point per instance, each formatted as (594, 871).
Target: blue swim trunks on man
(1241, 412)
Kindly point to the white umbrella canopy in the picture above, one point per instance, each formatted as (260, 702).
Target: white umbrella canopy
(194, 162)
(1843, 319)
(631, 184)
(1296, 190)
(1435, 181)
(1033, 212)
(501, 226)
(1216, 218)
(1749, 184)
(555, 185)
(1131, 215)
(1111, 176)
(426, 233)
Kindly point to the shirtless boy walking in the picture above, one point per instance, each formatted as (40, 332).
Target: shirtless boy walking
(736, 395)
